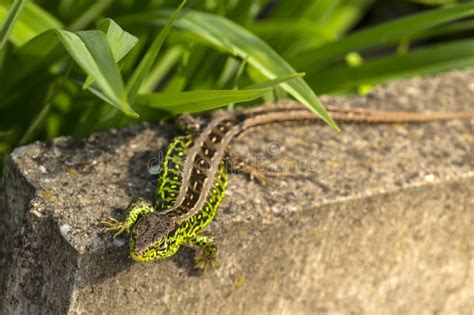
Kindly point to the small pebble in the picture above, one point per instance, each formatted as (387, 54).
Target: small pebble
(65, 229)
(430, 178)
(118, 242)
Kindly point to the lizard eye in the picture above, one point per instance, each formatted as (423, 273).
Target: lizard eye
(189, 123)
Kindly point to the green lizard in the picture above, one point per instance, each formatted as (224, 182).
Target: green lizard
(193, 178)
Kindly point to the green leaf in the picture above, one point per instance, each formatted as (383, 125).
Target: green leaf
(145, 65)
(120, 42)
(292, 28)
(237, 41)
(345, 15)
(37, 54)
(196, 101)
(92, 53)
(445, 30)
(32, 22)
(434, 59)
(276, 81)
(89, 15)
(379, 35)
(35, 125)
(10, 20)
(321, 10)
(435, 2)
(161, 68)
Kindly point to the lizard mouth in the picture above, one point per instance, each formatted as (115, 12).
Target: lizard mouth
(137, 256)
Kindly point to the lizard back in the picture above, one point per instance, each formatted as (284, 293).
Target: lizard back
(201, 167)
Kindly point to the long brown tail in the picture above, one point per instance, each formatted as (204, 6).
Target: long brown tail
(291, 110)
(376, 116)
(294, 112)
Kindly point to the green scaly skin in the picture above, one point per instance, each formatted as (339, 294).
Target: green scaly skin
(188, 231)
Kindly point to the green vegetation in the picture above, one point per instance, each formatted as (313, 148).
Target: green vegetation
(74, 67)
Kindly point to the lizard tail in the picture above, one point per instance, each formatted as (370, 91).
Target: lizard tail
(375, 116)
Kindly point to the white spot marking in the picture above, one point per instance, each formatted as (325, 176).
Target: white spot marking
(118, 242)
(430, 178)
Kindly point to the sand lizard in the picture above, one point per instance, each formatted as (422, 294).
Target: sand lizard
(193, 177)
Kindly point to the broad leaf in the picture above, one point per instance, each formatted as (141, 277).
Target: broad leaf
(120, 42)
(92, 53)
(196, 101)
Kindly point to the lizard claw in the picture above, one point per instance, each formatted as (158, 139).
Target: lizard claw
(260, 177)
(114, 225)
(203, 262)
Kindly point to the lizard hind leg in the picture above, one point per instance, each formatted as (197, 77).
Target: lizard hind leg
(255, 171)
(134, 212)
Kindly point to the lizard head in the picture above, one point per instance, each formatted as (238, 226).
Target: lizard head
(153, 238)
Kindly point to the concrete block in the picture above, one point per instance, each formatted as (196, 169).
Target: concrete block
(379, 219)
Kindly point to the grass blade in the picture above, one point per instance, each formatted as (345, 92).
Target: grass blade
(10, 20)
(382, 34)
(445, 30)
(236, 40)
(196, 101)
(37, 54)
(144, 67)
(32, 22)
(429, 60)
(35, 125)
(276, 81)
(289, 28)
(90, 15)
(163, 65)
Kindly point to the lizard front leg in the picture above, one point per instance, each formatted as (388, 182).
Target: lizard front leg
(207, 257)
(136, 210)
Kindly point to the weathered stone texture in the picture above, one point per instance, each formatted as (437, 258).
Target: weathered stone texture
(379, 220)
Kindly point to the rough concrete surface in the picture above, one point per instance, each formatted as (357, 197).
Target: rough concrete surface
(379, 220)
